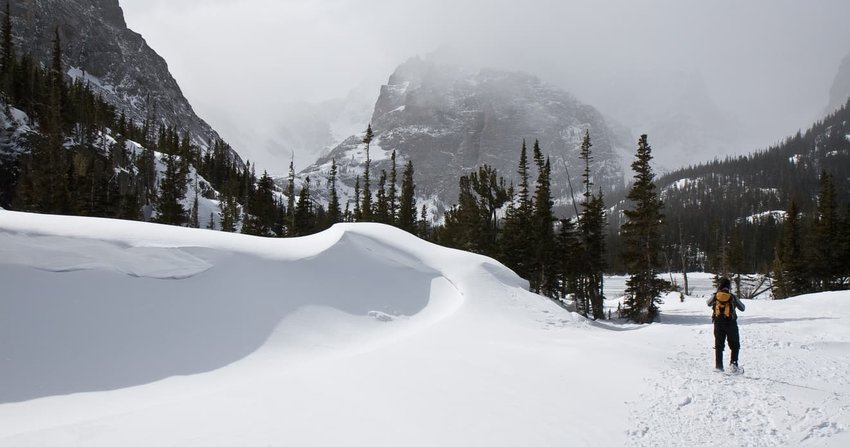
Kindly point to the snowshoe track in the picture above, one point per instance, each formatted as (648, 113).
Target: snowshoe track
(690, 403)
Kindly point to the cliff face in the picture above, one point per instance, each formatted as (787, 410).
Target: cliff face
(116, 61)
(449, 121)
(839, 93)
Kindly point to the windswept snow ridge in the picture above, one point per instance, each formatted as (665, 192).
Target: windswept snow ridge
(113, 323)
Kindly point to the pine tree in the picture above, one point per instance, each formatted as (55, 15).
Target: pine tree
(423, 223)
(261, 213)
(381, 213)
(172, 191)
(194, 221)
(591, 249)
(516, 238)
(789, 271)
(290, 200)
(524, 195)
(147, 172)
(44, 186)
(465, 224)
(570, 263)
(642, 239)
(57, 81)
(334, 213)
(543, 235)
(844, 247)
(407, 201)
(357, 214)
(229, 212)
(393, 191)
(585, 156)
(472, 224)
(366, 203)
(304, 215)
(7, 58)
(490, 194)
(592, 229)
(824, 260)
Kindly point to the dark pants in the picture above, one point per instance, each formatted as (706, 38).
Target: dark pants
(725, 329)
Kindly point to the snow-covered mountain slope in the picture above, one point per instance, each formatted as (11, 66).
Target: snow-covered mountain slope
(133, 334)
(99, 49)
(15, 128)
(450, 121)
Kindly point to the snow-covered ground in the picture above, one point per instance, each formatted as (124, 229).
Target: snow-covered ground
(117, 333)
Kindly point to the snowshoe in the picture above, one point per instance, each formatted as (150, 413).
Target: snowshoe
(735, 369)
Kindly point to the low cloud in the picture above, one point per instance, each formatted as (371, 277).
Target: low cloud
(769, 63)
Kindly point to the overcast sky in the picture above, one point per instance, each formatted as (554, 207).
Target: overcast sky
(239, 61)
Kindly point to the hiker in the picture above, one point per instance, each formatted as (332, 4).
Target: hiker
(724, 305)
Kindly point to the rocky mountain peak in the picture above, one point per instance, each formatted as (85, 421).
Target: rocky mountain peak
(450, 120)
(116, 61)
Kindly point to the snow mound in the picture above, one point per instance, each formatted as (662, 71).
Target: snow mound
(109, 321)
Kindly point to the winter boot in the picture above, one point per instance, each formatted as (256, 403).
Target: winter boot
(733, 368)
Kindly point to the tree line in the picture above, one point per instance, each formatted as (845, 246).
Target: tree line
(561, 257)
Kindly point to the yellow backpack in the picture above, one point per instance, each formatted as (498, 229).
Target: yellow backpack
(723, 305)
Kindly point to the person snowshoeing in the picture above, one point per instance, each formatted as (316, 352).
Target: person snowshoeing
(724, 305)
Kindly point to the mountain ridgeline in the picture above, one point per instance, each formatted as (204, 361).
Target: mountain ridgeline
(731, 214)
(99, 49)
(75, 143)
(449, 121)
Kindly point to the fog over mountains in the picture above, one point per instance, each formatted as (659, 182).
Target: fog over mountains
(839, 93)
(766, 66)
(449, 121)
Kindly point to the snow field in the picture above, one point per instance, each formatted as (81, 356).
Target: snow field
(795, 389)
